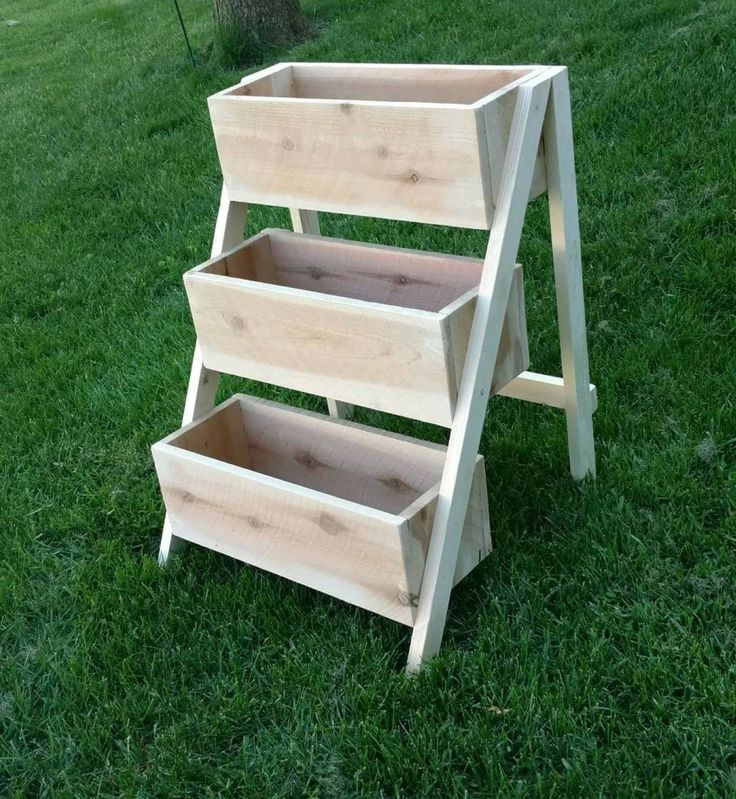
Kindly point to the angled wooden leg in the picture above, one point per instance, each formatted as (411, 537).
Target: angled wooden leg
(563, 214)
(308, 222)
(203, 381)
(485, 336)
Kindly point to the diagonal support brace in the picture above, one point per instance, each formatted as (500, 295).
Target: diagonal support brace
(485, 335)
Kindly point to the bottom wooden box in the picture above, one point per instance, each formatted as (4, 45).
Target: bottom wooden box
(334, 505)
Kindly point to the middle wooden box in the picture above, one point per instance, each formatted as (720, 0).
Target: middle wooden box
(380, 327)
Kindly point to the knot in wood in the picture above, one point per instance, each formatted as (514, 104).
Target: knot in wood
(406, 598)
(315, 272)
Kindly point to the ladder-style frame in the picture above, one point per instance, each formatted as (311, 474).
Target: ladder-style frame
(542, 112)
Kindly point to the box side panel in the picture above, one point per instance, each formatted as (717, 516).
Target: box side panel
(350, 555)
(475, 544)
(388, 359)
(513, 353)
(476, 541)
(427, 83)
(391, 160)
(514, 346)
(498, 116)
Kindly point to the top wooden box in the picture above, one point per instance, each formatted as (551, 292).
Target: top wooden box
(417, 143)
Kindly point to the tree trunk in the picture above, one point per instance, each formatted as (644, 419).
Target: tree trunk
(268, 22)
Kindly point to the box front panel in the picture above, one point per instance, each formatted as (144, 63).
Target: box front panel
(376, 357)
(400, 161)
(347, 554)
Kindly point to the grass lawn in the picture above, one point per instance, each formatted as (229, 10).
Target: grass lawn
(591, 656)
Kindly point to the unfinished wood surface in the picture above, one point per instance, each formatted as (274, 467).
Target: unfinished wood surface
(408, 83)
(380, 327)
(513, 351)
(308, 222)
(335, 506)
(376, 273)
(273, 81)
(203, 382)
(379, 520)
(485, 337)
(563, 215)
(229, 231)
(304, 221)
(376, 140)
(475, 544)
(542, 389)
(497, 119)
(428, 83)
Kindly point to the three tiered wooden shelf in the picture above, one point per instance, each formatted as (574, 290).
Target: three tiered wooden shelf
(386, 522)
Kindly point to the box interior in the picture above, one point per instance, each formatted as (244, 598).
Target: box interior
(345, 461)
(403, 278)
(385, 82)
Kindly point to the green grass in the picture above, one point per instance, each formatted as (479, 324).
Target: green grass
(591, 656)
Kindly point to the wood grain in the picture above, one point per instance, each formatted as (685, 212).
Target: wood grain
(543, 389)
(379, 327)
(336, 506)
(394, 142)
(203, 382)
(485, 337)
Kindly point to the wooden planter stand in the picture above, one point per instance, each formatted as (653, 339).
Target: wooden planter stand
(380, 520)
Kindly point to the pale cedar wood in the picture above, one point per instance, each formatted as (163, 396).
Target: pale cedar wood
(454, 145)
(418, 143)
(336, 506)
(381, 327)
(308, 222)
(202, 381)
(493, 294)
(542, 389)
(563, 217)
(531, 111)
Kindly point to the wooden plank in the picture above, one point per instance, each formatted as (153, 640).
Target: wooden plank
(495, 122)
(222, 436)
(304, 221)
(425, 83)
(397, 276)
(513, 351)
(387, 472)
(308, 222)
(475, 544)
(249, 260)
(542, 389)
(400, 161)
(412, 83)
(282, 82)
(563, 215)
(203, 382)
(268, 82)
(485, 336)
